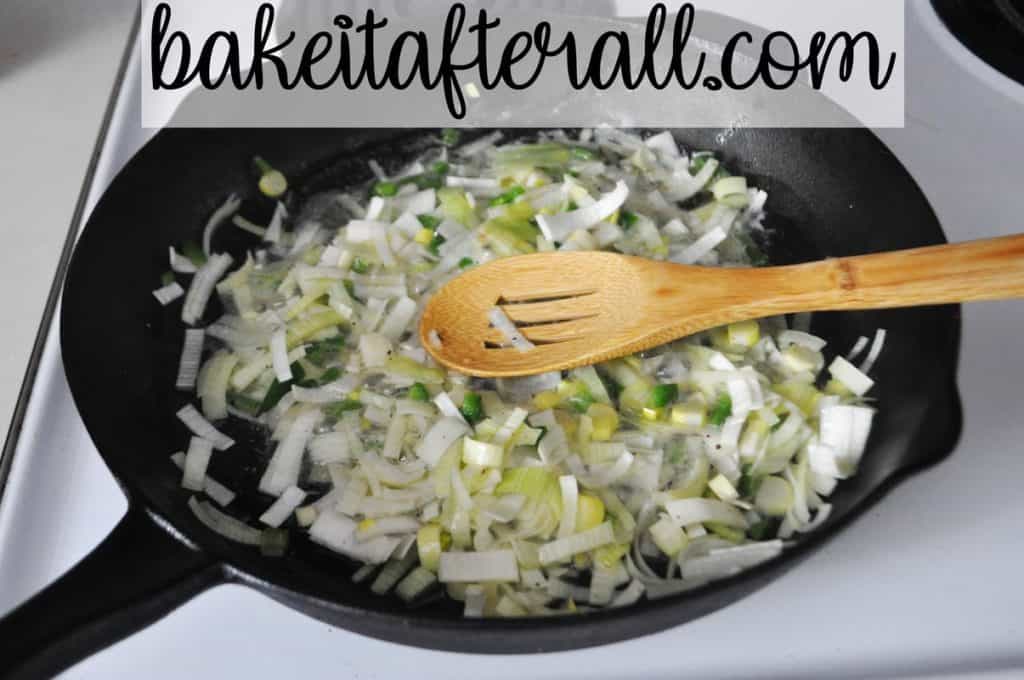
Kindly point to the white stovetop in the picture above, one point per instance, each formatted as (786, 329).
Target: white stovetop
(58, 62)
(927, 583)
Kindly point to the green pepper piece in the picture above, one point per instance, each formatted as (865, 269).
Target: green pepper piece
(508, 197)
(360, 266)
(663, 395)
(472, 408)
(721, 411)
(418, 392)
(385, 189)
(429, 221)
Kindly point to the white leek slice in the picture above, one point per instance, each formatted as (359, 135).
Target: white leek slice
(240, 334)
(338, 533)
(564, 548)
(675, 229)
(191, 357)
(212, 488)
(857, 349)
(501, 323)
(876, 351)
(364, 231)
(395, 437)
(745, 393)
(570, 500)
(391, 574)
(375, 349)
(196, 461)
(475, 184)
(279, 356)
(212, 386)
(169, 293)
(723, 488)
(683, 185)
(380, 242)
(496, 566)
(668, 536)
(326, 394)
(283, 507)
(377, 204)
(811, 342)
(845, 429)
(417, 582)
(559, 226)
(421, 202)
(689, 511)
(398, 319)
(602, 586)
(523, 389)
(286, 463)
(850, 376)
(386, 526)
(480, 453)
(701, 247)
(774, 497)
(409, 407)
(664, 143)
(729, 186)
(506, 508)
(181, 264)
(202, 287)
(223, 524)
(439, 439)
(447, 407)
(229, 208)
(275, 230)
(396, 475)
(630, 595)
(694, 531)
(201, 427)
(511, 425)
(476, 600)
(820, 517)
(728, 561)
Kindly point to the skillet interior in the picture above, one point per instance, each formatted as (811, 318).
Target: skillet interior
(831, 193)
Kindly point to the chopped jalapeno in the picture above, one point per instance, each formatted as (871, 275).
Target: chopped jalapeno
(662, 395)
(385, 189)
(472, 408)
(508, 197)
(436, 243)
(580, 153)
(418, 392)
(360, 266)
(429, 221)
(721, 411)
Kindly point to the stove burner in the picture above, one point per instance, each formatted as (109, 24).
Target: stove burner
(992, 29)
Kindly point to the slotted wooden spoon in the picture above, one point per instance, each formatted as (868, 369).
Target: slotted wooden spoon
(581, 308)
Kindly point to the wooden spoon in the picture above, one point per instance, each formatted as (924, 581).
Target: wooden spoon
(582, 308)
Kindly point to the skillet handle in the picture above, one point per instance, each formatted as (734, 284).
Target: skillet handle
(136, 576)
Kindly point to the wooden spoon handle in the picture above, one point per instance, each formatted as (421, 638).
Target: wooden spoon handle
(992, 269)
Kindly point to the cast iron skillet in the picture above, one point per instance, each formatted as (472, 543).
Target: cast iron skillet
(832, 193)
